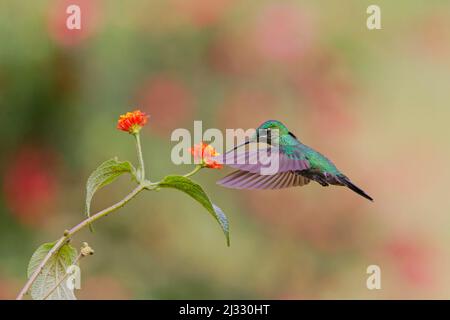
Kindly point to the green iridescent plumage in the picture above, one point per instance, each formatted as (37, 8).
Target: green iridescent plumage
(293, 148)
(319, 167)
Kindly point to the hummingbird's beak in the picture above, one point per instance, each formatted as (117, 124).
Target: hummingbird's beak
(241, 145)
(254, 138)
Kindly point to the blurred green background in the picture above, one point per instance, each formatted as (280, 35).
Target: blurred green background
(376, 102)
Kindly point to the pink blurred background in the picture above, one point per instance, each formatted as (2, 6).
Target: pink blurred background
(375, 102)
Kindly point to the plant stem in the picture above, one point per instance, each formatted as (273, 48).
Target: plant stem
(68, 233)
(62, 279)
(144, 184)
(140, 157)
(197, 168)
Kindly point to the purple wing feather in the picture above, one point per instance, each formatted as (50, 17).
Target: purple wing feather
(248, 180)
(250, 161)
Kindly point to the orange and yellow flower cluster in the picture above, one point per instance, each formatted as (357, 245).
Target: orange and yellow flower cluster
(205, 153)
(132, 122)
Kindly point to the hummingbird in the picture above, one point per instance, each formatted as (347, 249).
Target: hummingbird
(298, 164)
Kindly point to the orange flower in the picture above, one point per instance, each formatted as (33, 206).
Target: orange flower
(132, 122)
(204, 152)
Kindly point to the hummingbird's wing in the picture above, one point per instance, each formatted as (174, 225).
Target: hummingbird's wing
(256, 159)
(248, 180)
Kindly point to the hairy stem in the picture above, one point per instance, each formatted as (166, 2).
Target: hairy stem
(69, 233)
(140, 157)
(144, 184)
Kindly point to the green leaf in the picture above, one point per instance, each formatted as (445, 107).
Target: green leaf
(52, 273)
(105, 174)
(195, 191)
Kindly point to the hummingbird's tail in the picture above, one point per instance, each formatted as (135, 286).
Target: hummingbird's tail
(346, 182)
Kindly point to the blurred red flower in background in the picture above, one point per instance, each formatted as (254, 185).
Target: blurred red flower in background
(8, 288)
(30, 184)
(57, 21)
(168, 100)
(281, 36)
(324, 82)
(202, 13)
(430, 35)
(284, 32)
(414, 259)
(132, 122)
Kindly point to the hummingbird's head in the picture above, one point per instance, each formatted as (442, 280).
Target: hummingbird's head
(271, 130)
(274, 124)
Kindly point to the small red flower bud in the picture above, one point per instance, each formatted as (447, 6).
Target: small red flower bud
(132, 122)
